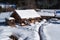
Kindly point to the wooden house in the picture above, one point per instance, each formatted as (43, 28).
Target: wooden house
(26, 16)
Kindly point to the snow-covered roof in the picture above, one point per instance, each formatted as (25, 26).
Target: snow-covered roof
(10, 18)
(46, 12)
(27, 13)
(4, 15)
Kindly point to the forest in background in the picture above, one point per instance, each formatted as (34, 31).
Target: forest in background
(42, 4)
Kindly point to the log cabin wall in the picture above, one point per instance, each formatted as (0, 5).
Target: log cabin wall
(38, 19)
(16, 16)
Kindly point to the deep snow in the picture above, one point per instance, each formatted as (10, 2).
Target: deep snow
(50, 30)
(23, 33)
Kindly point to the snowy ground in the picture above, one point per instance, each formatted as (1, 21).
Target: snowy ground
(23, 33)
(50, 30)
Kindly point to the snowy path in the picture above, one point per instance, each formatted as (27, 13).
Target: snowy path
(50, 31)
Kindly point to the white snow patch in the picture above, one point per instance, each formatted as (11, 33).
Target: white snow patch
(51, 31)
